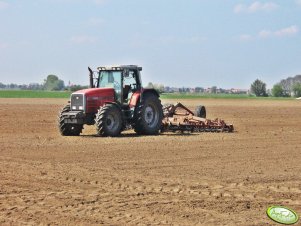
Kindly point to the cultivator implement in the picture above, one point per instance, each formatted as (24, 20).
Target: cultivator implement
(179, 118)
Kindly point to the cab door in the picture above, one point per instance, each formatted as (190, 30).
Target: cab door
(130, 85)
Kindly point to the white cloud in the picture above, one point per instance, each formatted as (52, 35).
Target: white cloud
(255, 7)
(288, 31)
(245, 37)
(83, 39)
(239, 8)
(264, 34)
(3, 5)
(292, 30)
(298, 2)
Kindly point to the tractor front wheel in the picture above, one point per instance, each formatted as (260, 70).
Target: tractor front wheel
(108, 121)
(67, 129)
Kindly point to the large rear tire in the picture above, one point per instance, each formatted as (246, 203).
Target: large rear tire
(148, 115)
(200, 111)
(108, 121)
(68, 129)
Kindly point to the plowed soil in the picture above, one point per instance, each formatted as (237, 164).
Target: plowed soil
(170, 179)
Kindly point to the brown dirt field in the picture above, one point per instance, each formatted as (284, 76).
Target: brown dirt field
(170, 179)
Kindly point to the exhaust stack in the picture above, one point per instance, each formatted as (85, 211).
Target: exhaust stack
(91, 77)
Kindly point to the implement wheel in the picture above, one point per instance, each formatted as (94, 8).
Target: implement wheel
(200, 111)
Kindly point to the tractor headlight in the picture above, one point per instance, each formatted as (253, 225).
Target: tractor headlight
(77, 102)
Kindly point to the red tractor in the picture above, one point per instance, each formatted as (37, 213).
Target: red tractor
(114, 102)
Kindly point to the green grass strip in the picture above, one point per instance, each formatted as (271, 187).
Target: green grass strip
(66, 94)
(33, 94)
(217, 96)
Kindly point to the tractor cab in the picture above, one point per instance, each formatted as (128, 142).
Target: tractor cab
(125, 80)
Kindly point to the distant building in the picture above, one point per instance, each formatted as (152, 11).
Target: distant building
(210, 90)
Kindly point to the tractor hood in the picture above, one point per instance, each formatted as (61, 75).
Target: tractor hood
(91, 99)
(95, 91)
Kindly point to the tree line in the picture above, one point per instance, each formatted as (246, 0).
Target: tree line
(51, 83)
(288, 87)
(285, 88)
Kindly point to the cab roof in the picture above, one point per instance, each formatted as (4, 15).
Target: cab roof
(119, 68)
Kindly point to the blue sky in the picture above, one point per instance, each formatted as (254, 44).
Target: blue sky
(187, 43)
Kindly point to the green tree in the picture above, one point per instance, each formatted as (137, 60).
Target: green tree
(52, 82)
(258, 87)
(159, 88)
(77, 87)
(297, 89)
(150, 85)
(277, 91)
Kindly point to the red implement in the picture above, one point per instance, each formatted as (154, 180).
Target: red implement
(179, 118)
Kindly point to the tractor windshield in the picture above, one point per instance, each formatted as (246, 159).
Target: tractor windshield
(111, 79)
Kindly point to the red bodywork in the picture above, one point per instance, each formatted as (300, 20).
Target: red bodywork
(135, 98)
(96, 97)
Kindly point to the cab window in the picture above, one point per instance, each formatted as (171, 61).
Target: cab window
(111, 79)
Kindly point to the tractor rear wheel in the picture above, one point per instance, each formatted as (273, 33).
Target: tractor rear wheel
(67, 129)
(108, 121)
(148, 115)
(200, 111)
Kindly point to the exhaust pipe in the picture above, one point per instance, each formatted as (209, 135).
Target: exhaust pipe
(91, 77)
